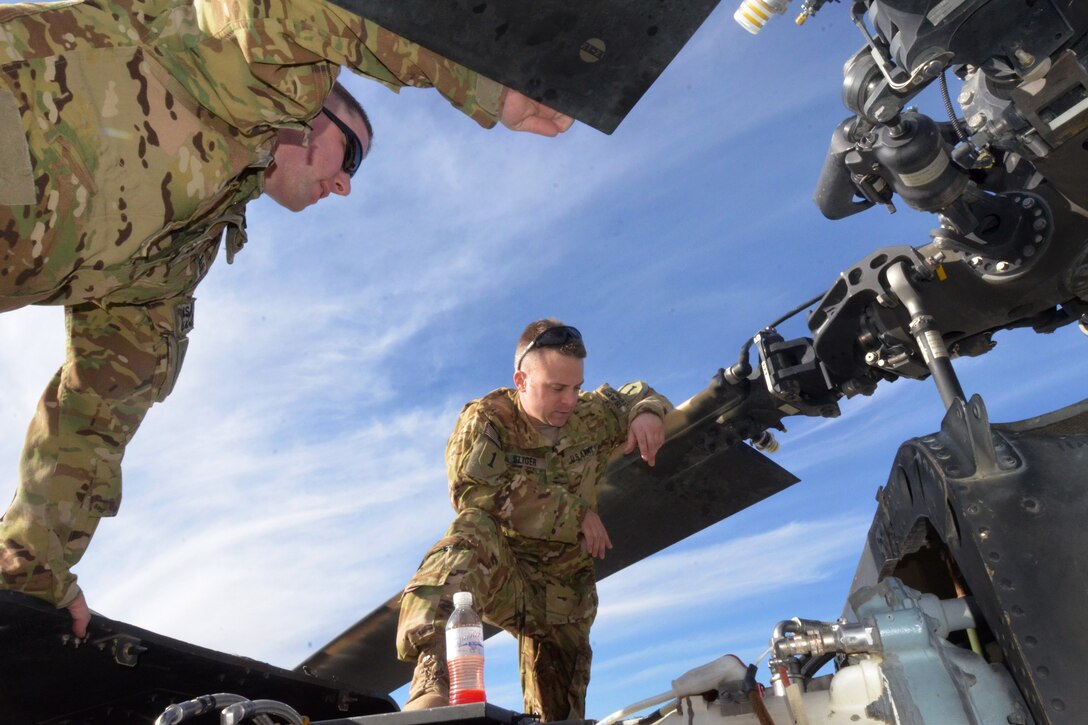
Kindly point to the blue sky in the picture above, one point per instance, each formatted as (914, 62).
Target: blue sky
(295, 477)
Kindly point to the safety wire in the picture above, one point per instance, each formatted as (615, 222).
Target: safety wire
(747, 346)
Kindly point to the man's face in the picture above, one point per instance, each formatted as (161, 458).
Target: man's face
(306, 172)
(548, 385)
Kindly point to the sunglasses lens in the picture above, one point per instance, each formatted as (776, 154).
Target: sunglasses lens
(557, 336)
(353, 156)
(552, 337)
(353, 149)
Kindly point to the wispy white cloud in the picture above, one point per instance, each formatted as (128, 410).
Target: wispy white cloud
(295, 477)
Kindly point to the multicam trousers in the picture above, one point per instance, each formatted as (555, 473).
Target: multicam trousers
(120, 361)
(541, 592)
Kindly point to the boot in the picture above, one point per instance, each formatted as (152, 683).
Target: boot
(430, 683)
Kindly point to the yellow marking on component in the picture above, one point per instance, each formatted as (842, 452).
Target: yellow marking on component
(760, 6)
(941, 274)
(754, 20)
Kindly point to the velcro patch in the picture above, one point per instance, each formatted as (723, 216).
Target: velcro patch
(486, 459)
(16, 175)
(520, 460)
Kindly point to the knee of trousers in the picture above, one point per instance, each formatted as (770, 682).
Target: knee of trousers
(460, 561)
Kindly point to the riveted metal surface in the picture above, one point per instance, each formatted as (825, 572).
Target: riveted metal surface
(591, 60)
(1017, 536)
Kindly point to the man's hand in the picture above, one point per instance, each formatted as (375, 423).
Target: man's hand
(81, 615)
(521, 113)
(648, 433)
(595, 539)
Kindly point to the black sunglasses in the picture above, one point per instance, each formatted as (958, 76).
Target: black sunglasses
(552, 337)
(353, 150)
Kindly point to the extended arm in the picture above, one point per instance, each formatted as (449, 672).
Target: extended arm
(285, 43)
(639, 412)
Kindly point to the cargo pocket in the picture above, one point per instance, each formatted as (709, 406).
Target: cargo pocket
(175, 319)
(449, 559)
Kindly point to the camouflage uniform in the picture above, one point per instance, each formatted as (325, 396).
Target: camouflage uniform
(132, 133)
(514, 544)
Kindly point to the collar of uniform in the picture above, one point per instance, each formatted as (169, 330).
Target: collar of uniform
(527, 434)
(530, 437)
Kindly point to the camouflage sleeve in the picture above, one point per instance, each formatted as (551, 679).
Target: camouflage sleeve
(282, 40)
(514, 492)
(119, 362)
(629, 402)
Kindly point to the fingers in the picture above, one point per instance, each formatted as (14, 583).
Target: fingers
(649, 444)
(521, 113)
(648, 432)
(81, 615)
(595, 541)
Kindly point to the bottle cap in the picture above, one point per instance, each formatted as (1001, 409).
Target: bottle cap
(462, 599)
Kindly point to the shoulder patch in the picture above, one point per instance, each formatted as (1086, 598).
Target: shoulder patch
(486, 458)
(633, 390)
(613, 397)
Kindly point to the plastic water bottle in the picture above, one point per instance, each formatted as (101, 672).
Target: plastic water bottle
(465, 651)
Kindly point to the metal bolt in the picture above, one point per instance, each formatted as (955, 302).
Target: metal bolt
(1002, 266)
(1028, 250)
(1039, 225)
(870, 358)
(977, 121)
(966, 96)
(1024, 58)
(1027, 202)
(976, 261)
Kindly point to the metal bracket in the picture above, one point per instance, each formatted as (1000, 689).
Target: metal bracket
(126, 649)
(968, 424)
(1057, 106)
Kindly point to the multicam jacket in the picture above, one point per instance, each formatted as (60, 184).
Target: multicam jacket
(132, 133)
(124, 122)
(497, 461)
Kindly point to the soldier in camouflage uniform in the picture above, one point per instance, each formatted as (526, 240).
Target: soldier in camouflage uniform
(523, 467)
(132, 134)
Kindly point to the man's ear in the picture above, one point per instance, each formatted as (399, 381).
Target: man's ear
(520, 377)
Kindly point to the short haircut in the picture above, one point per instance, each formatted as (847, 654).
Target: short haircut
(572, 348)
(354, 106)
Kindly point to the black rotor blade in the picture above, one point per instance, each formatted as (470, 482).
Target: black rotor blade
(696, 482)
(122, 674)
(591, 60)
